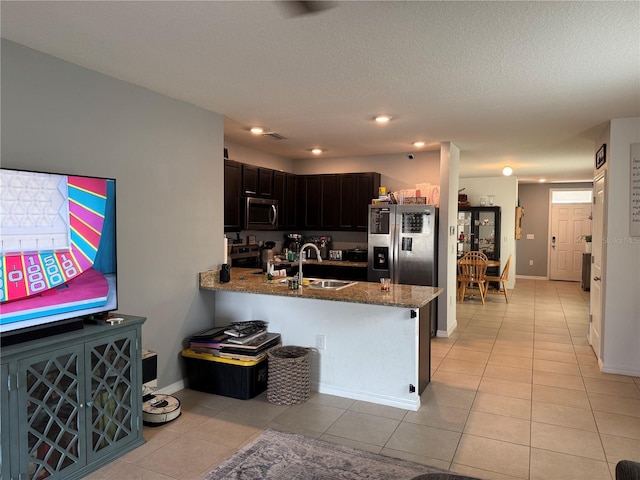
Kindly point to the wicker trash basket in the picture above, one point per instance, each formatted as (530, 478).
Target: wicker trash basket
(288, 375)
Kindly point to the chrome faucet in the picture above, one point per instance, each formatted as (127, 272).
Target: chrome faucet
(302, 250)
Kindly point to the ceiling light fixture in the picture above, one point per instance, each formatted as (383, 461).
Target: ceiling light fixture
(418, 144)
(257, 130)
(506, 171)
(542, 180)
(382, 118)
(316, 151)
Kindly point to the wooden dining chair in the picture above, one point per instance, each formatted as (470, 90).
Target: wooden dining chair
(472, 270)
(502, 280)
(474, 254)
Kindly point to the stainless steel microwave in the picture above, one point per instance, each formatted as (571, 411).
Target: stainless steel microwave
(260, 213)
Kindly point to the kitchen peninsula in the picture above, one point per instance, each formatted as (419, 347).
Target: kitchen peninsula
(376, 343)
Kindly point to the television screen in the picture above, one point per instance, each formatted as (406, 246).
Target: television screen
(58, 247)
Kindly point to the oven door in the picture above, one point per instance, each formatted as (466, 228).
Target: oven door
(261, 214)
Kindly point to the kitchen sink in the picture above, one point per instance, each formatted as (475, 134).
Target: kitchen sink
(331, 284)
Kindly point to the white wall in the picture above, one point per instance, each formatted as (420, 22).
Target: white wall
(621, 303)
(248, 155)
(449, 171)
(370, 354)
(534, 198)
(397, 171)
(505, 190)
(166, 156)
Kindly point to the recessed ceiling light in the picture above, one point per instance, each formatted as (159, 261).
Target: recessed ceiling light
(316, 151)
(542, 180)
(257, 130)
(382, 118)
(418, 144)
(506, 171)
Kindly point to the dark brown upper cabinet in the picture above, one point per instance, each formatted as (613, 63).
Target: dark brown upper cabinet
(355, 191)
(280, 194)
(249, 180)
(305, 202)
(329, 204)
(265, 182)
(293, 204)
(232, 196)
(257, 181)
(312, 201)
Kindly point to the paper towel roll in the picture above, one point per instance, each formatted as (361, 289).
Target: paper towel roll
(224, 245)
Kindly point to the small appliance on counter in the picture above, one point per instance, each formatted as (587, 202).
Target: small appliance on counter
(356, 254)
(292, 242)
(267, 254)
(324, 245)
(336, 255)
(245, 256)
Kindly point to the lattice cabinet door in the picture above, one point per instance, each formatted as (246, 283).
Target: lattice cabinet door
(51, 413)
(113, 394)
(5, 432)
(70, 403)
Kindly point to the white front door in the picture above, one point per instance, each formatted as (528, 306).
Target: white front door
(597, 282)
(568, 222)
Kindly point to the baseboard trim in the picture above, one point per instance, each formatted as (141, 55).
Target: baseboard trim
(407, 404)
(531, 277)
(173, 388)
(450, 329)
(617, 370)
(404, 403)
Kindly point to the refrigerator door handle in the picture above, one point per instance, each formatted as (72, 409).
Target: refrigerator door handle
(395, 246)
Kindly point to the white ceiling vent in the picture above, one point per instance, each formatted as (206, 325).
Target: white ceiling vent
(274, 135)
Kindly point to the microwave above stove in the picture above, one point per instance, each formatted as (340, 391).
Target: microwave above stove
(260, 214)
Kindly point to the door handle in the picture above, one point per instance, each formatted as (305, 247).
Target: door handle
(596, 279)
(273, 214)
(553, 242)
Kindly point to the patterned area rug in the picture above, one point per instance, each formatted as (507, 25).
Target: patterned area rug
(287, 456)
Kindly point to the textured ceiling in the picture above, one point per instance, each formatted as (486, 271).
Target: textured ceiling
(528, 84)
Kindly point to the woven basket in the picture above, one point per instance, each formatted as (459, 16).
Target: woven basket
(288, 378)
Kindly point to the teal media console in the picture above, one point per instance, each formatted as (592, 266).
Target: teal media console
(71, 403)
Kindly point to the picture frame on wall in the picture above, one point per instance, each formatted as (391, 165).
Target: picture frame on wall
(601, 156)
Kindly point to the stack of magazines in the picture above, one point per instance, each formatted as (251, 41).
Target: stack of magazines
(241, 341)
(208, 341)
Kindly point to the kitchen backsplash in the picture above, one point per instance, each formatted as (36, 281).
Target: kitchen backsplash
(340, 240)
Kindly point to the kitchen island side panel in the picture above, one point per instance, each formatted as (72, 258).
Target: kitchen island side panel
(371, 351)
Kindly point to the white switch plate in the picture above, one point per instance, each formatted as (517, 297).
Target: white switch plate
(531, 236)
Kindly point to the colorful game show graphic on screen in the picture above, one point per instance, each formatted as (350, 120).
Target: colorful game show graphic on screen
(51, 242)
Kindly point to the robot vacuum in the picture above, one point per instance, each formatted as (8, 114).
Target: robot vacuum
(159, 409)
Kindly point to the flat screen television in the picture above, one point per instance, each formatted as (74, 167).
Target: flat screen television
(58, 247)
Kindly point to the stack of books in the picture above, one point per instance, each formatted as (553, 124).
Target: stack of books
(240, 341)
(208, 341)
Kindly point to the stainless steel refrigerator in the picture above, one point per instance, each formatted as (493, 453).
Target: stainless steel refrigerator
(402, 245)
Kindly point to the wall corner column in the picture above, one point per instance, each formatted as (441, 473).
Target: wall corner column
(449, 181)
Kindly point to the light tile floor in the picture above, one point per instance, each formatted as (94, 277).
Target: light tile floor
(515, 393)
